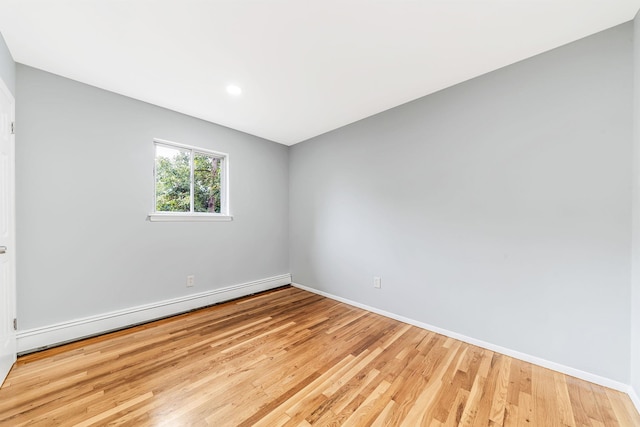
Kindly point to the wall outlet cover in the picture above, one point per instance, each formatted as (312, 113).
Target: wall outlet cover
(377, 282)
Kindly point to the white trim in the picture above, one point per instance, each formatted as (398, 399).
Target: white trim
(172, 144)
(634, 398)
(187, 217)
(224, 186)
(9, 309)
(587, 376)
(192, 186)
(46, 336)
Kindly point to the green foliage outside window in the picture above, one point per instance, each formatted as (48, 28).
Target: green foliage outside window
(206, 183)
(173, 181)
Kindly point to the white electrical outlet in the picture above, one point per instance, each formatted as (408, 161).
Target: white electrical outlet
(191, 280)
(377, 282)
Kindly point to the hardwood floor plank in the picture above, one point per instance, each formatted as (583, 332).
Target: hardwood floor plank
(510, 416)
(291, 358)
(544, 398)
(370, 407)
(526, 416)
(118, 408)
(623, 408)
(473, 402)
(582, 401)
(421, 410)
(499, 401)
(565, 412)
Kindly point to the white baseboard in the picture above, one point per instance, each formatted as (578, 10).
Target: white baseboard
(634, 398)
(47, 336)
(587, 376)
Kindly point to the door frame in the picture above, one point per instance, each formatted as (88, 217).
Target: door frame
(11, 314)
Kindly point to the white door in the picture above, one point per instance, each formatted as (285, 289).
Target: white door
(7, 233)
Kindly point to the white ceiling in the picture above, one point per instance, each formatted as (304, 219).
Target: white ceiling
(305, 66)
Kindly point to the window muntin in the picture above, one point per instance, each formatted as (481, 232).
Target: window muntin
(189, 180)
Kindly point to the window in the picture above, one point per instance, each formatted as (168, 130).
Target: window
(190, 184)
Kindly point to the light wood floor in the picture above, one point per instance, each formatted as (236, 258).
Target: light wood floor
(289, 357)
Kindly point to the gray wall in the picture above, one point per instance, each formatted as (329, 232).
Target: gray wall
(499, 208)
(7, 67)
(85, 186)
(635, 283)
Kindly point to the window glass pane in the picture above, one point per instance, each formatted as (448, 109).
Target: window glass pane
(173, 186)
(206, 183)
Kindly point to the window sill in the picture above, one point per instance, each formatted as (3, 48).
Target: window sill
(187, 217)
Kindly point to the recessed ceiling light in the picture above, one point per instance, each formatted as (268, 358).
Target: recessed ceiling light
(234, 90)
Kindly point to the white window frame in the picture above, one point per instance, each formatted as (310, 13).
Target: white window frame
(224, 214)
